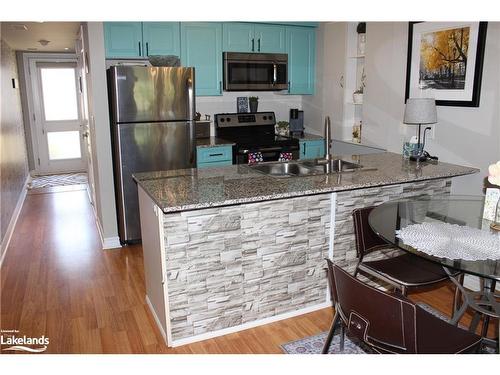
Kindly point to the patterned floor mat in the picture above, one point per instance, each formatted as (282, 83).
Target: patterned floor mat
(54, 180)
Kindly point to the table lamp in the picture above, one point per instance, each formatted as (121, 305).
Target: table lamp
(420, 111)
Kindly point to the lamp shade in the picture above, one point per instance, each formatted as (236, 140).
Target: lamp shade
(420, 111)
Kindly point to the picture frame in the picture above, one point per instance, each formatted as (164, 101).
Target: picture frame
(242, 104)
(445, 62)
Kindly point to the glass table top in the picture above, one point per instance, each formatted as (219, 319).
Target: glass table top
(388, 217)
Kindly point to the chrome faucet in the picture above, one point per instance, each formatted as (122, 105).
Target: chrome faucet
(328, 138)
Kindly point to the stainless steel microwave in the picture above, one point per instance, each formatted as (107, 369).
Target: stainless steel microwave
(255, 71)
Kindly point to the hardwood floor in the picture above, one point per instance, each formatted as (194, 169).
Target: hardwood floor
(56, 281)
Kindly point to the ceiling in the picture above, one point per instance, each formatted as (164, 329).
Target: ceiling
(24, 36)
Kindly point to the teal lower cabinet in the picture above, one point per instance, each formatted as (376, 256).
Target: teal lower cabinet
(311, 149)
(219, 156)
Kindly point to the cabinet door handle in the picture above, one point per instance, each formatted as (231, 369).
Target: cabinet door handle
(289, 87)
(305, 144)
(341, 81)
(258, 44)
(219, 154)
(147, 49)
(253, 45)
(220, 87)
(140, 52)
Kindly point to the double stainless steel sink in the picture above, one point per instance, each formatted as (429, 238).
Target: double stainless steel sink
(308, 167)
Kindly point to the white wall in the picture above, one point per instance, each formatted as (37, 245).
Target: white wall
(13, 162)
(466, 136)
(101, 135)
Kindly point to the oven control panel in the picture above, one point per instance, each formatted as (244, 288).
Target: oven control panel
(226, 120)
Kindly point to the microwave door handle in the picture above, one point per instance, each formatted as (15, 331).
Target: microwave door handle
(275, 74)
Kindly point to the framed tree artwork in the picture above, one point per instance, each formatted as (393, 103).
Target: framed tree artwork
(445, 62)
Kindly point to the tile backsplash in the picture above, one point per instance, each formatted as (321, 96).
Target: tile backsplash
(268, 101)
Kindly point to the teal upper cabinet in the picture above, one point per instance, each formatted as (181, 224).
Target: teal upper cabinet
(238, 37)
(201, 47)
(250, 37)
(123, 39)
(161, 38)
(270, 38)
(301, 49)
(141, 39)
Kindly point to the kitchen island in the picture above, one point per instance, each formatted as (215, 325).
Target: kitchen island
(230, 248)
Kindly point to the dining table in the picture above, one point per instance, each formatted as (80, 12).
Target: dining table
(449, 230)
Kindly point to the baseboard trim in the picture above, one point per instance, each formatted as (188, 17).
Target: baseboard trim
(157, 320)
(111, 243)
(241, 327)
(107, 242)
(13, 220)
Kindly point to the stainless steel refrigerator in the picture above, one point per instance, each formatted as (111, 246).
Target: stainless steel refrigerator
(152, 125)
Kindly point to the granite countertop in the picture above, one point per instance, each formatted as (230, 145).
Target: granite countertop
(213, 142)
(191, 189)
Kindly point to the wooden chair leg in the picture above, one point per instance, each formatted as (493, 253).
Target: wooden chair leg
(329, 338)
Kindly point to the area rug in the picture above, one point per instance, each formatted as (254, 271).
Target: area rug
(314, 344)
(54, 180)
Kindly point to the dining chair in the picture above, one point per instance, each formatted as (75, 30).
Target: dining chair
(391, 323)
(401, 271)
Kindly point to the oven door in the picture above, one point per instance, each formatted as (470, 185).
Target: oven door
(268, 153)
(255, 75)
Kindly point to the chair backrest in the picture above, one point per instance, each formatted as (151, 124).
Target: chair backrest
(386, 322)
(366, 239)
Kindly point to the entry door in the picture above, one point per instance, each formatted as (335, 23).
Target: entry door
(58, 118)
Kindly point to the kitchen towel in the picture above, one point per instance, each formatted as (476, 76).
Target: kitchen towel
(255, 157)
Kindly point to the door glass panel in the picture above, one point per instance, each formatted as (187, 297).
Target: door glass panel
(59, 94)
(64, 145)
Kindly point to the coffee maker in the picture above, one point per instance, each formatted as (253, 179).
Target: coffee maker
(296, 122)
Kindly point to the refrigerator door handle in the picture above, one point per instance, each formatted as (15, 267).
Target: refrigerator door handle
(191, 123)
(190, 89)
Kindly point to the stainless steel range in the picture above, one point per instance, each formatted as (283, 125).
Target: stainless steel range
(253, 134)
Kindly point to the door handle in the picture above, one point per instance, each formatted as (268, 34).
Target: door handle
(147, 48)
(85, 134)
(275, 73)
(220, 87)
(253, 45)
(289, 87)
(258, 44)
(140, 51)
(341, 81)
(305, 144)
(191, 100)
